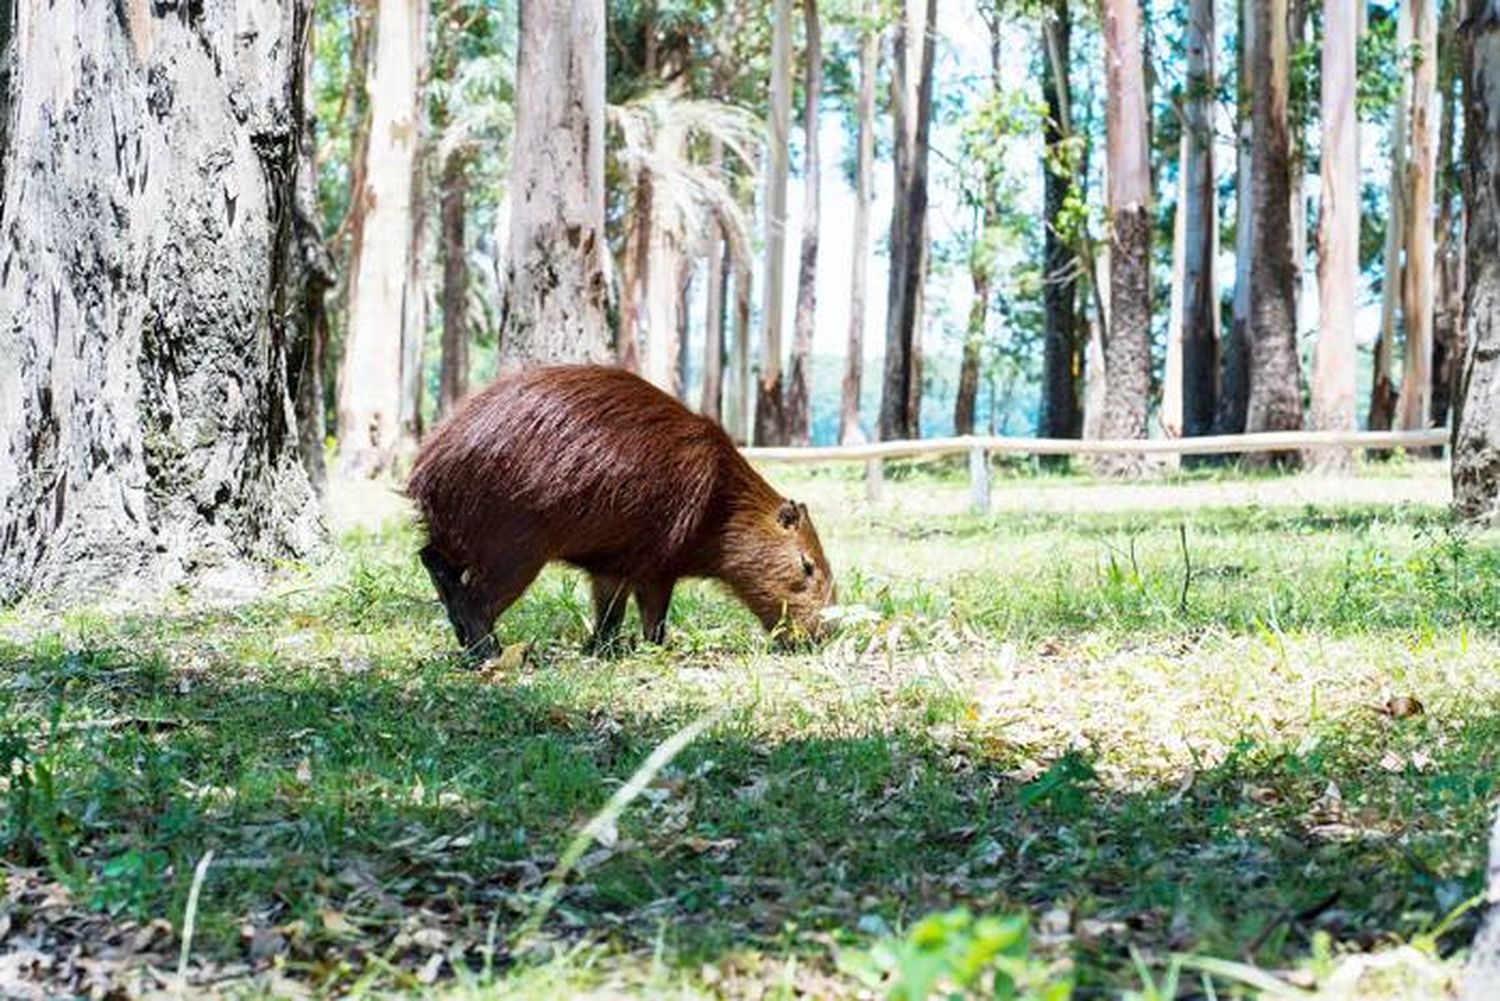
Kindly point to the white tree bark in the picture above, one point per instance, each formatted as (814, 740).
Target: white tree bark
(556, 281)
(1481, 978)
(384, 298)
(148, 167)
(768, 411)
(1338, 238)
(869, 65)
(1415, 402)
(1382, 392)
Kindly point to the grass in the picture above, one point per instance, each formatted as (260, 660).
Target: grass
(1265, 733)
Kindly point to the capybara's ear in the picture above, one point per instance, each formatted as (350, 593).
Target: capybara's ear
(789, 513)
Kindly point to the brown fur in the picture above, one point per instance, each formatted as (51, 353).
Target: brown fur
(596, 467)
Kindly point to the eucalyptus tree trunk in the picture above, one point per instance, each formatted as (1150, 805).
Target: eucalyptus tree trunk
(981, 270)
(1383, 389)
(911, 98)
(1476, 405)
(453, 373)
(1338, 238)
(1415, 401)
(770, 414)
(314, 274)
(1447, 318)
(1127, 348)
(869, 67)
(740, 422)
(383, 296)
(1234, 373)
(798, 416)
(710, 401)
(1061, 351)
(149, 295)
(1199, 295)
(1275, 388)
(556, 284)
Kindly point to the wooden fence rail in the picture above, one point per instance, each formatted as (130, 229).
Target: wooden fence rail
(979, 448)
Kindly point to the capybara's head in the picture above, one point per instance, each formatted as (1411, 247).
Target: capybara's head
(795, 576)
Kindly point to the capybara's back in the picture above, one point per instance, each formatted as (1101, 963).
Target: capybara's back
(596, 467)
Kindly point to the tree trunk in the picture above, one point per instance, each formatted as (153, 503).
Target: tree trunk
(850, 431)
(1061, 351)
(382, 294)
(556, 285)
(1338, 238)
(1275, 386)
(739, 385)
(770, 416)
(1200, 297)
(1127, 348)
(1481, 976)
(1447, 319)
(147, 434)
(313, 272)
(453, 375)
(665, 258)
(710, 402)
(1415, 401)
(798, 416)
(911, 97)
(1234, 378)
(1383, 389)
(981, 267)
(1476, 410)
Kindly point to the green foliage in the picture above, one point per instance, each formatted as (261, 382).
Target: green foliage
(956, 955)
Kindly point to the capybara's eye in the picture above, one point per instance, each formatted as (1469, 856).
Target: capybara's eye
(807, 567)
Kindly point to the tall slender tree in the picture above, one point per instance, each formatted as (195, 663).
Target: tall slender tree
(1415, 401)
(1383, 390)
(383, 292)
(770, 408)
(1062, 354)
(555, 272)
(869, 67)
(911, 99)
(1275, 387)
(1199, 317)
(1234, 378)
(981, 251)
(1447, 321)
(1127, 349)
(1338, 238)
(798, 417)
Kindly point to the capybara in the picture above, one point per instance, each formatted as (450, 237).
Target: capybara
(598, 468)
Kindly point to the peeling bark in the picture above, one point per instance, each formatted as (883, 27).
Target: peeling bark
(1338, 238)
(148, 189)
(453, 373)
(556, 283)
(850, 431)
(1275, 379)
(1127, 346)
(384, 315)
(770, 416)
(798, 416)
(1476, 417)
(1415, 399)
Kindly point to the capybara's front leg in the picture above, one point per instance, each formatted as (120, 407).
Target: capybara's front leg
(496, 588)
(610, 596)
(653, 599)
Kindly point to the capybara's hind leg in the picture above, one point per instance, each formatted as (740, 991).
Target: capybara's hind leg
(458, 601)
(610, 596)
(653, 599)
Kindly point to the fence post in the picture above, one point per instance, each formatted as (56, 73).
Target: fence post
(874, 480)
(979, 480)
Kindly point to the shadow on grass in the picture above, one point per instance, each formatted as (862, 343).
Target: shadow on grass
(361, 811)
